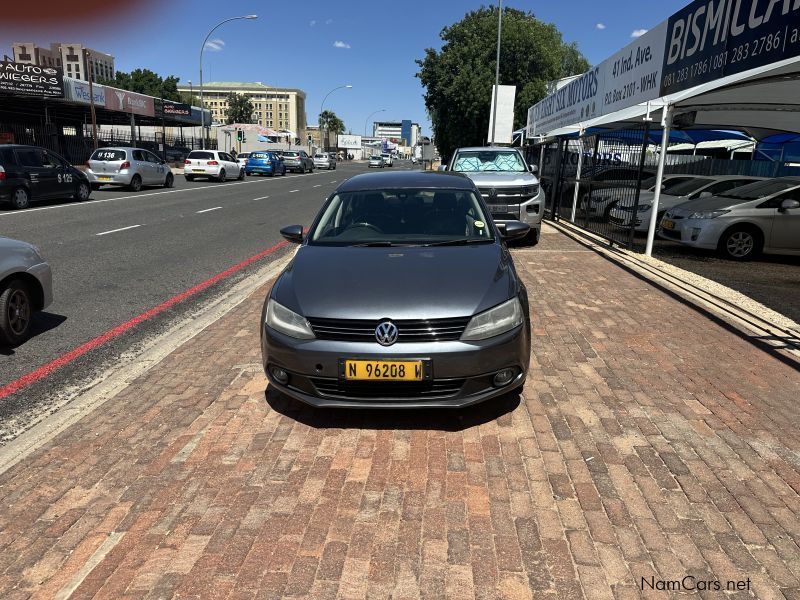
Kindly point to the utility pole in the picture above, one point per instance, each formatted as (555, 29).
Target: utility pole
(90, 72)
(497, 66)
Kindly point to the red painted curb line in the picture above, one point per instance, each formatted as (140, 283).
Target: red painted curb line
(65, 359)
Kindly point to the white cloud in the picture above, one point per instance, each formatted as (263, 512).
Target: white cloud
(215, 45)
(600, 26)
(638, 33)
(328, 21)
(312, 23)
(340, 44)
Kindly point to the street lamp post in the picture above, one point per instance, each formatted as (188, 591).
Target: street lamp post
(365, 128)
(321, 106)
(497, 66)
(202, 48)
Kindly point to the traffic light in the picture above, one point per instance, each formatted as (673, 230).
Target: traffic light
(240, 135)
(309, 138)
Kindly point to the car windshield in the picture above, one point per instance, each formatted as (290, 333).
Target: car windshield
(761, 189)
(243, 155)
(683, 188)
(291, 154)
(669, 184)
(407, 217)
(106, 154)
(376, 158)
(201, 155)
(320, 156)
(489, 160)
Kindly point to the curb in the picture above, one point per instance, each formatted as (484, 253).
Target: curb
(761, 326)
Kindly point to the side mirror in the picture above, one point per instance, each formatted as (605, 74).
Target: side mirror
(293, 233)
(533, 168)
(514, 230)
(788, 204)
(705, 194)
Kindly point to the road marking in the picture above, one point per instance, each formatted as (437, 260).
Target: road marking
(120, 229)
(261, 198)
(293, 191)
(57, 363)
(334, 181)
(11, 213)
(108, 544)
(208, 209)
(318, 185)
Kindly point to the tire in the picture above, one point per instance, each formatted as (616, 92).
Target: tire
(740, 243)
(532, 238)
(83, 192)
(241, 175)
(16, 311)
(20, 198)
(222, 176)
(95, 186)
(283, 172)
(135, 184)
(169, 180)
(189, 177)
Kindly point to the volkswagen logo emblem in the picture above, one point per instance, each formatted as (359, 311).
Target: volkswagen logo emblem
(493, 193)
(386, 333)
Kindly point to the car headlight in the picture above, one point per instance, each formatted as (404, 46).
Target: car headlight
(644, 207)
(494, 321)
(288, 322)
(708, 214)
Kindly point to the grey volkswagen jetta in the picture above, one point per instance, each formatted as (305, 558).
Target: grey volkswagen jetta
(402, 294)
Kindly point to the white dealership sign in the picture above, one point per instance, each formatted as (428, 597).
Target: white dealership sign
(349, 141)
(505, 114)
(78, 91)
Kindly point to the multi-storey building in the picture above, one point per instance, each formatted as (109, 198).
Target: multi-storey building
(396, 131)
(75, 59)
(274, 107)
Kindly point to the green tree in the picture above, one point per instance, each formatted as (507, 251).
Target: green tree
(458, 79)
(240, 109)
(145, 81)
(330, 122)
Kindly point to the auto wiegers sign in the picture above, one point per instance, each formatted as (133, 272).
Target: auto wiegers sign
(31, 80)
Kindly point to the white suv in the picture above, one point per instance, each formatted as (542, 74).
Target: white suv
(212, 164)
(387, 159)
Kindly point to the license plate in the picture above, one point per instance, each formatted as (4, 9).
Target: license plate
(498, 208)
(383, 370)
(667, 223)
(196, 170)
(104, 178)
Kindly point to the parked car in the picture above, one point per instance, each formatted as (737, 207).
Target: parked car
(387, 159)
(298, 161)
(263, 162)
(211, 164)
(177, 154)
(601, 201)
(325, 160)
(128, 167)
(433, 313)
(242, 157)
(375, 161)
(507, 184)
(699, 187)
(741, 223)
(31, 173)
(26, 285)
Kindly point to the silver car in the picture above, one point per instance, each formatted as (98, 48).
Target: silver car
(129, 167)
(26, 285)
(297, 160)
(741, 223)
(325, 160)
(376, 161)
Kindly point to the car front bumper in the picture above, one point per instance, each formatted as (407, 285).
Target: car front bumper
(530, 211)
(698, 233)
(44, 276)
(461, 372)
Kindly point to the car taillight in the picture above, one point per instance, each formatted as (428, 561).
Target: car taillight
(212, 162)
(2, 174)
(187, 162)
(125, 165)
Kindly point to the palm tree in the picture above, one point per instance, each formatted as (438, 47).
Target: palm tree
(329, 122)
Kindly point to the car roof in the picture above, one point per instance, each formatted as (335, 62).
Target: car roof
(406, 179)
(485, 148)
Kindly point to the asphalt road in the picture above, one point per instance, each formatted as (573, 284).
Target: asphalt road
(122, 253)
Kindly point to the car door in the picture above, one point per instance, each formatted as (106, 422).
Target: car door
(158, 167)
(40, 171)
(141, 166)
(66, 180)
(785, 234)
(230, 166)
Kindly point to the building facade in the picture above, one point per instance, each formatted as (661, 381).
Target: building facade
(396, 131)
(75, 59)
(276, 108)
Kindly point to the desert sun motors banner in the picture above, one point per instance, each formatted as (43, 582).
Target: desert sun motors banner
(629, 77)
(710, 39)
(30, 80)
(349, 141)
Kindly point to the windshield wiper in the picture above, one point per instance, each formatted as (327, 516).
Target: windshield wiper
(460, 242)
(373, 244)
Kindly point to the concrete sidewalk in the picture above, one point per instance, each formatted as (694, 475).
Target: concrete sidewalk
(649, 444)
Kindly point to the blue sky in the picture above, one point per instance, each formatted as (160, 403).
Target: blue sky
(317, 46)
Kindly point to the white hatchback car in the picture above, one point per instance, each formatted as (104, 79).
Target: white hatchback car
(212, 164)
(129, 167)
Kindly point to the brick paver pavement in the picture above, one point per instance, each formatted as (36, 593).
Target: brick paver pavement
(649, 442)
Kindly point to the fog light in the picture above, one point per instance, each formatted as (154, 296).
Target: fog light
(504, 377)
(279, 375)
(695, 233)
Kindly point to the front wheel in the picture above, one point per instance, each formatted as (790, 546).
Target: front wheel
(16, 310)
(83, 191)
(740, 243)
(169, 180)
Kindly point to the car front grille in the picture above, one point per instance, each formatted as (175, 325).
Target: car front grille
(420, 330)
(670, 233)
(424, 390)
(509, 195)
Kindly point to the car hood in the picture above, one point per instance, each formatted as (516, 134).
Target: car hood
(646, 197)
(712, 203)
(500, 178)
(397, 283)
